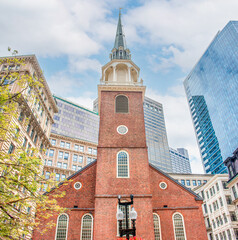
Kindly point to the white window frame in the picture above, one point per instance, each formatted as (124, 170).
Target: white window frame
(183, 225)
(66, 228)
(127, 163)
(159, 224)
(82, 225)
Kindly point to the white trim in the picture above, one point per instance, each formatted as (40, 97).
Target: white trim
(82, 225)
(183, 225)
(77, 183)
(127, 163)
(67, 225)
(124, 127)
(159, 225)
(162, 187)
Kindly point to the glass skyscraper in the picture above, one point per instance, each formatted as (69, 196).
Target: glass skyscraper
(211, 89)
(156, 135)
(75, 121)
(180, 160)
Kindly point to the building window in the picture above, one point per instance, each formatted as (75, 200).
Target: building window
(188, 182)
(47, 120)
(49, 163)
(75, 158)
(62, 144)
(74, 167)
(81, 149)
(217, 185)
(47, 175)
(183, 181)
(94, 151)
(156, 226)
(233, 216)
(51, 153)
(63, 176)
(89, 160)
(11, 149)
(87, 227)
(122, 165)
(121, 104)
(221, 202)
(90, 150)
(65, 165)
(80, 159)
(194, 183)
(76, 147)
(123, 209)
(66, 156)
(234, 192)
(24, 142)
(224, 185)
(57, 176)
(179, 231)
(59, 164)
(60, 155)
(53, 142)
(62, 227)
(228, 200)
(67, 145)
(229, 234)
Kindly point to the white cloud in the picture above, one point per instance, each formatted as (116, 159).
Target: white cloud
(86, 100)
(179, 124)
(54, 28)
(61, 83)
(186, 27)
(84, 64)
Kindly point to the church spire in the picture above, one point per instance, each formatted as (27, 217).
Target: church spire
(120, 51)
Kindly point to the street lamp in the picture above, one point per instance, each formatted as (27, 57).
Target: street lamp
(132, 216)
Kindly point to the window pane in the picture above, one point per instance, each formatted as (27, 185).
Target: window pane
(122, 165)
(121, 104)
(156, 226)
(86, 228)
(62, 228)
(178, 227)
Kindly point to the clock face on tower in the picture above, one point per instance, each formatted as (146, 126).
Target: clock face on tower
(122, 129)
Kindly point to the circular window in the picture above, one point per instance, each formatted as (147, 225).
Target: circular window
(122, 129)
(163, 185)
(77, 185)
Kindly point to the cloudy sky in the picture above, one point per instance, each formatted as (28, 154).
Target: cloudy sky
(72, 39)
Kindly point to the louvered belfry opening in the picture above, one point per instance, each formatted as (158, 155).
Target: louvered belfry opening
(121, 104)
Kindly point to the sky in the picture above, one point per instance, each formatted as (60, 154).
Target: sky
(72, 40)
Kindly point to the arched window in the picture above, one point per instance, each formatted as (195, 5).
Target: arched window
(122, 165)
(121, 104)
(156, 226)
(87, 227)
(179, 230)
(62, 227)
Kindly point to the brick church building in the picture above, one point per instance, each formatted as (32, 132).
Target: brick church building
(165, 209)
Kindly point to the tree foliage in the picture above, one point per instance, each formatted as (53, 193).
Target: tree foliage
(20, 167)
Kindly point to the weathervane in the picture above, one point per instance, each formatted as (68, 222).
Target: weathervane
(120, 11)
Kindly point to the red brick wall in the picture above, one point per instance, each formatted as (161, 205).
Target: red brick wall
(108, 186)
(179, 200)
(83, 198)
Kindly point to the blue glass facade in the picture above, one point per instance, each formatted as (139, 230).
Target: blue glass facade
(211, 89)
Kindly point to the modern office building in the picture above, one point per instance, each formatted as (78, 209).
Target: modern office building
(219, 209)
(211, 89)
(156, 135)
(75, 121)
(180, 160)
